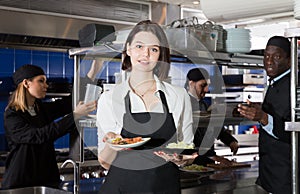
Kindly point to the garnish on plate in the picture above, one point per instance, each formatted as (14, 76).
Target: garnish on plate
(124, 141)
(181, 145)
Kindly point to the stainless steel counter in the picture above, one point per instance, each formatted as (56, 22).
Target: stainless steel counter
(229, 181)
(241, 180)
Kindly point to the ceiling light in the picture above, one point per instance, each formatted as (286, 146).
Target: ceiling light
(196, 2)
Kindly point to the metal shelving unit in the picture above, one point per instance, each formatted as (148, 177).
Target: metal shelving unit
(195, 56)
(294, 126)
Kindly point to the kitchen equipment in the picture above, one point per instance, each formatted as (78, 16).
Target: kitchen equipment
(87, 186)
(249, 78)
(92, 93)
(189, 34)
(76, 168)
(121, 36)
(208, 34)
(237, 40)
(35, 190)
(220, 39)
(182, 37)
(253, 94)
(94, 34)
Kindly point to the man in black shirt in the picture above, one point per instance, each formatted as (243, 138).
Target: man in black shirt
(274, 141)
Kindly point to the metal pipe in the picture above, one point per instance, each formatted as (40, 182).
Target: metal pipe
(76, 167)
(294, 134)
(76, 80)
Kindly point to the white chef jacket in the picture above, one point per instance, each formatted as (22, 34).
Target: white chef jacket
(111, 108)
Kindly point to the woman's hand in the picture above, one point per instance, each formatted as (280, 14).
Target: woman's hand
(178, 159)
(111, 135)
(84, 109)
(108, 154)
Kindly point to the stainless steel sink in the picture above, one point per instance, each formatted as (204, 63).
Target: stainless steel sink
(34, 190)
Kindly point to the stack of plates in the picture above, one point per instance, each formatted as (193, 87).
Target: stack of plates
(297, 9)
(238, 40)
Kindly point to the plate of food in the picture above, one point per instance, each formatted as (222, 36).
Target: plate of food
(128, 142)
(196, 168)
(180, 145)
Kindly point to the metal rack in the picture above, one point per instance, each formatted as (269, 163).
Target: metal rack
(196, 56)
(294, 126)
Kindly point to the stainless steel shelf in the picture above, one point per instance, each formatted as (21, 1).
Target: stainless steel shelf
(192, 56)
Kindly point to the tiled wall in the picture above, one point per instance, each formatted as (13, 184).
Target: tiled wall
(59, 65)
(55, 64)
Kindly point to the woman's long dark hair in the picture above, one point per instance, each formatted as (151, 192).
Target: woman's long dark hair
(163, 65)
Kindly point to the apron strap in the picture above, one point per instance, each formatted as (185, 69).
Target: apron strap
(164, 101)
(127, 103)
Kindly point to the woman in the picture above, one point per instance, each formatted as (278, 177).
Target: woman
(30, 130)
(143, 105)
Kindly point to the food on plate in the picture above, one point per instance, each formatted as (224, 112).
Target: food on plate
(181, 145)
(195, 167)
(123, 141)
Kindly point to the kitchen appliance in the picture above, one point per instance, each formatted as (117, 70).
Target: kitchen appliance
(249, 78)
(189, 34)
(253, 94)
(94, 34)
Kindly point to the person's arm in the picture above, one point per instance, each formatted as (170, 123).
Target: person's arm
(226, 137)
(58, 107)
(107, 155)
(19, 127)
(269, 126)
(90, 77)
(20, 131)
(96, 66)
(106, 124)
(229, 140)
(187, 117)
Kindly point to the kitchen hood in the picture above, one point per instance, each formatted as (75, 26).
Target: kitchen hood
(55, 24)
(11, 40)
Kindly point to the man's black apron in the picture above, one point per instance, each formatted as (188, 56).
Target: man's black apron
(139, 170)
(275, 154)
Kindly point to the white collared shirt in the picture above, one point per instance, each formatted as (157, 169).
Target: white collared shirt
(111, 108)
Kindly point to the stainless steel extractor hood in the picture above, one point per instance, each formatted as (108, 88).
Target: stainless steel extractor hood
(55, 24)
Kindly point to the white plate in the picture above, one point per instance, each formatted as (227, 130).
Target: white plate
(203, 170)
(132, 145)
(92, 116)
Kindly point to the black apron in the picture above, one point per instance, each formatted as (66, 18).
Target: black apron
(275, 154)
(139, 170)
(274, 164)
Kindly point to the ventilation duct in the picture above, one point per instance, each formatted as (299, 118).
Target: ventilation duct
(235, 10)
